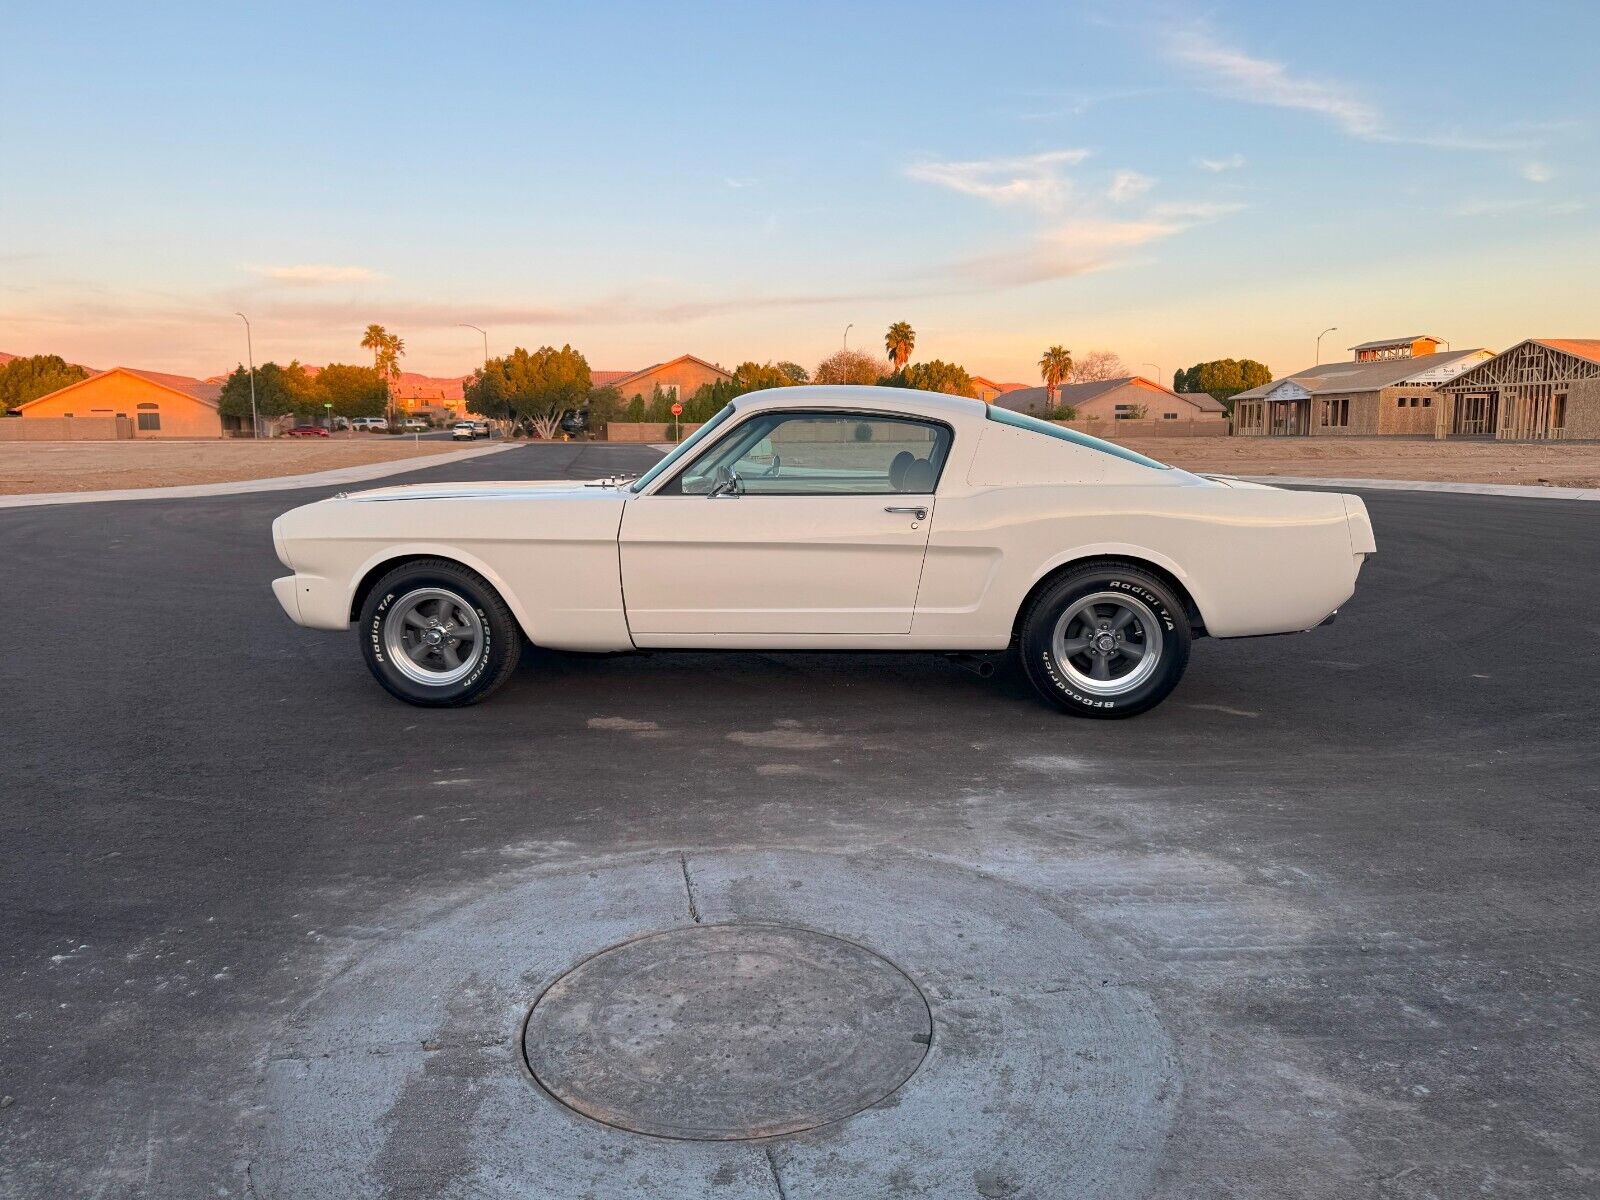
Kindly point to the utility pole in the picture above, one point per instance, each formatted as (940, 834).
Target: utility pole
(1320, 336)
(250, 351)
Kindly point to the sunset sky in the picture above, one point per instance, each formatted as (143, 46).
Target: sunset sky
(1169, 181)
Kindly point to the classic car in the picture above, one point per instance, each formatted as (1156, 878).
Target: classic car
(831, 518)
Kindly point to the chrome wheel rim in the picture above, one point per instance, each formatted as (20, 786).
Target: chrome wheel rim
(433, 637)
(1108, 643)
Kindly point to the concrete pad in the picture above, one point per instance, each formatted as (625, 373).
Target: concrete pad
(1044, 1071)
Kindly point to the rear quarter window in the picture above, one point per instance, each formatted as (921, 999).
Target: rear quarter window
(1005, 416)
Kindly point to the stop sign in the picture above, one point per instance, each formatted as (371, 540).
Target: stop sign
(677, 410)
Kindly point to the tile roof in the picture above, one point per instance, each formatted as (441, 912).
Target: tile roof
(198, 388)
(602, 379)
(1027, 399)
(1364, 376)
(643, 371)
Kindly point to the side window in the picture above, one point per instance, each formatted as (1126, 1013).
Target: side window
(149, 418)
(822, 454)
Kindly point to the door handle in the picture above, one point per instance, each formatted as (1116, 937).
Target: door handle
(919, 511)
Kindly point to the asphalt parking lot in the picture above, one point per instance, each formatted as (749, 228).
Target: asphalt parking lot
(1323, 925)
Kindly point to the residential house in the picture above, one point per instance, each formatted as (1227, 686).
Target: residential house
(160, 405)
(1540, 389)
(1389, 388)
(1130, 398)
(678, 379)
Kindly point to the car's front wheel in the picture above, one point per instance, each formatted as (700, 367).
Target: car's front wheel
(436, 634)
(1105, 640)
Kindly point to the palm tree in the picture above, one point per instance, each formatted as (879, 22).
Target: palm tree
(899, 342)
(387, 350)
(1054, 366)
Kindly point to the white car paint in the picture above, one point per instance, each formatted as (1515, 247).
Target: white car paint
(613, 566)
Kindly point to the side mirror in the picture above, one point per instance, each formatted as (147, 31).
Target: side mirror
(724, 483)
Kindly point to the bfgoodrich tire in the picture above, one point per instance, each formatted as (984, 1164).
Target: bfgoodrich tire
(1105, 640)
(437, 635)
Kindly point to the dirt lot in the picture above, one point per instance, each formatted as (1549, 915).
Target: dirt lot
(1569, 464)
(93, 466)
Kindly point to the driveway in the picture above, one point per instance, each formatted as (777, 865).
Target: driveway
(1320, 926)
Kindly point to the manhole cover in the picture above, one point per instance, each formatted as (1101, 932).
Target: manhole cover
(721, 1032)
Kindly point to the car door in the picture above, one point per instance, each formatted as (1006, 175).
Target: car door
(791, 523)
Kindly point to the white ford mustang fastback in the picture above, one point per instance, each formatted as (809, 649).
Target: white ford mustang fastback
(831, 518)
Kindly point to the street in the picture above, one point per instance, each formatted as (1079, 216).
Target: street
(1322, 925)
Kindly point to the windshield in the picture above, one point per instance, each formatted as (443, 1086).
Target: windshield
(684, 447)
(1019, 421)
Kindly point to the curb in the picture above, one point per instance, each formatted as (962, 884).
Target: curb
(1519, 490)
(276, 483)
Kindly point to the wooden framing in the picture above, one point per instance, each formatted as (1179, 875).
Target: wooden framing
(1532, 392)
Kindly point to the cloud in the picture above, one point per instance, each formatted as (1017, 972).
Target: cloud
(1088, 243)
(739, 181)
(1537, 172)
(1128, 185)
(1033, 181)
(1233, 72)
(1079, 232)
(1218, 165)
(1505, 208)
(1242, 76)
(316, 274)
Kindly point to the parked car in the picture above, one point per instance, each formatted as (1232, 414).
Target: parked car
(574, 421)
(414, 425)
(832, 518)
(371, 424)
(307, 431)
(463, 431)
(482, 427)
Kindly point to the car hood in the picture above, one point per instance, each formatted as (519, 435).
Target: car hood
(493, 490)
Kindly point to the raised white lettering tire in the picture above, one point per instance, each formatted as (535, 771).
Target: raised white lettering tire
(1106, 639)
(436, 634)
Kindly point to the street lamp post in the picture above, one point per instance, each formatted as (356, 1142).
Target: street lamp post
(464, 325)
(1156, 367)
(844, 367)
(250, 352)
(1320, 336)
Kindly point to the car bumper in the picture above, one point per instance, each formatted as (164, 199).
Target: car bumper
(288, 595)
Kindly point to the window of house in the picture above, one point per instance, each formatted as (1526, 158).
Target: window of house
(1427, 402)
(821, 454)
(1558, 411)
(149, 418)
(1336, 413)
(1169, 416)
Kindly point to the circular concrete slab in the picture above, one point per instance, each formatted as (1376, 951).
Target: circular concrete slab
(727, 1032)
(403, 1071)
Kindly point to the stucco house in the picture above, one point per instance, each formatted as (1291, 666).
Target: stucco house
(680, 378)
(1130, 398)
(158, 404)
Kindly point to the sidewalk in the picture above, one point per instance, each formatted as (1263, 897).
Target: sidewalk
(279, 483)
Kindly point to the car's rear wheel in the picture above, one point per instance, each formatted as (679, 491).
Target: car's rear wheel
(436, 634)
(1105, 640)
